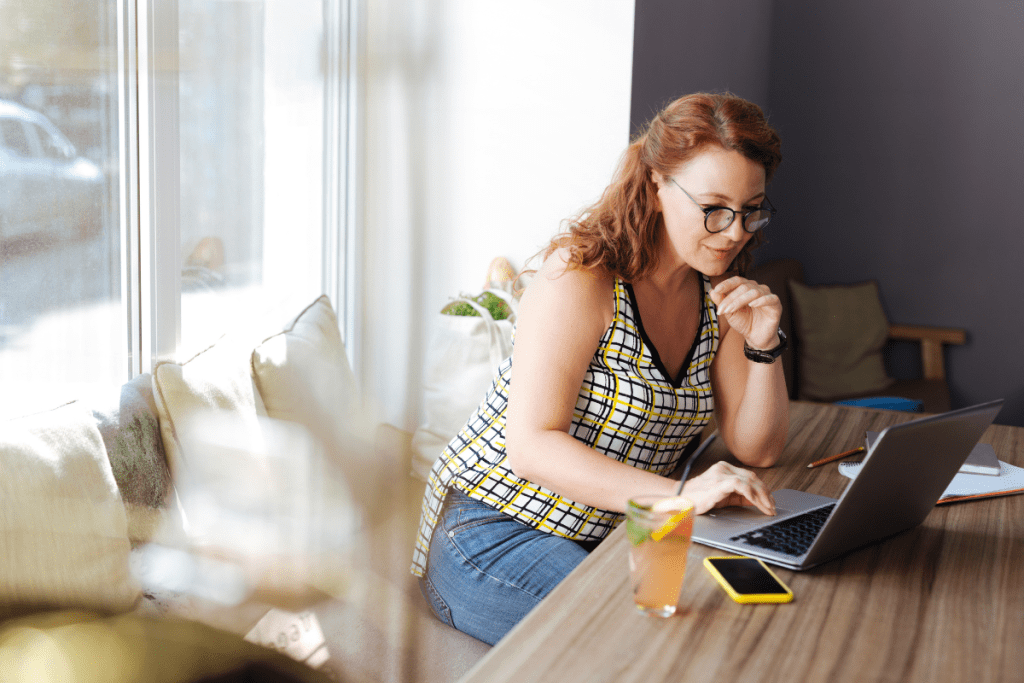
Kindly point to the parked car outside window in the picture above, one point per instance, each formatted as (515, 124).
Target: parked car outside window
(45, 185)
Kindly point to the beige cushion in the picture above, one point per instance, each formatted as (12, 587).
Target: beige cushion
(304, 377)
(217, 378)
(65, 536)
(303, 373)
(841, 330)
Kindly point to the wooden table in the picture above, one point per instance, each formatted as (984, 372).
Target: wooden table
(942, 602)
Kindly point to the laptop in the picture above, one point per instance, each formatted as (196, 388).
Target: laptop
(905, 471)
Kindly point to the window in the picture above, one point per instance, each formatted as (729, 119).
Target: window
(251, 121)
(144, 211)
(13, 137)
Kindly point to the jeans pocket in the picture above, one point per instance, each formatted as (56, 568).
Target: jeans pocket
(463, 513)
(437, 605)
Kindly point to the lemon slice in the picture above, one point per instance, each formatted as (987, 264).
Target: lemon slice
(683, 507)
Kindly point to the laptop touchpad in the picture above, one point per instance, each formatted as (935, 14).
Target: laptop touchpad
(787, 502)
(737, 514)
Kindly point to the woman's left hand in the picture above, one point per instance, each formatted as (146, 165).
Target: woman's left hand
(751, 309)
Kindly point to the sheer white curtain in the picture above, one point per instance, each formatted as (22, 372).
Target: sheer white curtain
(485, 125)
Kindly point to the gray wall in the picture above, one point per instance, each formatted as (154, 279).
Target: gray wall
(903, 143)
(683, 47)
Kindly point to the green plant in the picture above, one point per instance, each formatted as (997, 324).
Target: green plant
(495, 305)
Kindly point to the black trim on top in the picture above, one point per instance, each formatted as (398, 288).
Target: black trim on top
(684, 370)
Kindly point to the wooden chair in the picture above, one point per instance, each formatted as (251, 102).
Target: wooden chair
(931, 389)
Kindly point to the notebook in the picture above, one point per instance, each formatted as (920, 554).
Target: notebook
(904, 473)
(967, 485)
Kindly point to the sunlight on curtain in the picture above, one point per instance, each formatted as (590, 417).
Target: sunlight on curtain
(485, 126)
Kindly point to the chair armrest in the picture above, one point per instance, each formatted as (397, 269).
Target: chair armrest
(945, 335)
(932, 339)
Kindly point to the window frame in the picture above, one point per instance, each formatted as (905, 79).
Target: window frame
(149, 165)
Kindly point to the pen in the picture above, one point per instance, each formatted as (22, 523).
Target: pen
(840, 456)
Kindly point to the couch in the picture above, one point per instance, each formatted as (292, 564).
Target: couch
(107, 543)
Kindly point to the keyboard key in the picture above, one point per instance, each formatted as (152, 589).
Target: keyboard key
(791, 536)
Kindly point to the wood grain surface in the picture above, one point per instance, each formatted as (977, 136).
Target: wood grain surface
(942, 602)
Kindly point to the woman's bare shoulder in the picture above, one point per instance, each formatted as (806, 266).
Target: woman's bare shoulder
(562, 316)
(556, 268)
(584, 291)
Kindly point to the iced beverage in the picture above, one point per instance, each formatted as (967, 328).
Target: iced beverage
(659, 533)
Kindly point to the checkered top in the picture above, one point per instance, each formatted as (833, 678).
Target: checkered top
(628, 408)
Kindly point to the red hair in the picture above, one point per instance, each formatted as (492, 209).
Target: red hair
(619, 232)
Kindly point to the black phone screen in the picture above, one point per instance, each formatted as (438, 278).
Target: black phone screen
(747, 576)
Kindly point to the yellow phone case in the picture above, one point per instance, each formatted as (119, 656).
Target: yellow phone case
(748, 598)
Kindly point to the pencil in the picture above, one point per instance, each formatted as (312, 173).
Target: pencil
(840, 456)
(976, 496)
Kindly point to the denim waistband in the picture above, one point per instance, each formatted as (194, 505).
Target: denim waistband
(457, 497)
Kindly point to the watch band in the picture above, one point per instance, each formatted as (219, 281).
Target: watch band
(769, 356)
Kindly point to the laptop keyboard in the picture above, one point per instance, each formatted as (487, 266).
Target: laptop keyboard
(791, 536)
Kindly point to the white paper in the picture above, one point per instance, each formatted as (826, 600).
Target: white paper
(1010, 478)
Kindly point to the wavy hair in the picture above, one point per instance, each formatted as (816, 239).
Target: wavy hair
(619, 232)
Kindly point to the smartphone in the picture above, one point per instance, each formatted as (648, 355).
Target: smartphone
(747, 580)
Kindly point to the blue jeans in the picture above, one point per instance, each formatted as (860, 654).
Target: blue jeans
(486, 570)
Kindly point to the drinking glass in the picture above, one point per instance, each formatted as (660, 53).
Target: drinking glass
(659, 531)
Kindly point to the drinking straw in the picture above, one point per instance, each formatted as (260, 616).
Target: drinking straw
(674, 520)
(689, 461)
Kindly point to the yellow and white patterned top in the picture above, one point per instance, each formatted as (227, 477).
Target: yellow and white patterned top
(628, 408)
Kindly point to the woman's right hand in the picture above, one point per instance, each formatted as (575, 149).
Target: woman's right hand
(723, 485)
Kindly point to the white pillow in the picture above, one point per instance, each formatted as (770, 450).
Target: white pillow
(303, 373)
(217, 378)
(65, 536)
(303, 376)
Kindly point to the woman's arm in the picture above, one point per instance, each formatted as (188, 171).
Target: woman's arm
(560, 322)
(751, 401)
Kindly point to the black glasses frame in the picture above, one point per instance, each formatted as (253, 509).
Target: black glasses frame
(732, 212)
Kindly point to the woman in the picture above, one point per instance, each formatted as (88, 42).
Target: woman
(636, 329)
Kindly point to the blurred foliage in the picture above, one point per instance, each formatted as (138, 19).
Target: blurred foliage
(496, 306)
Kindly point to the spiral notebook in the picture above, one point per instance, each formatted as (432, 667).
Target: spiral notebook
(968, 486)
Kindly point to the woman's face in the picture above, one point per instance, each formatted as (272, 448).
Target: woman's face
(715, 177)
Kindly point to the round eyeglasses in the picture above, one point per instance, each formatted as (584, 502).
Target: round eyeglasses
(718, 218)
